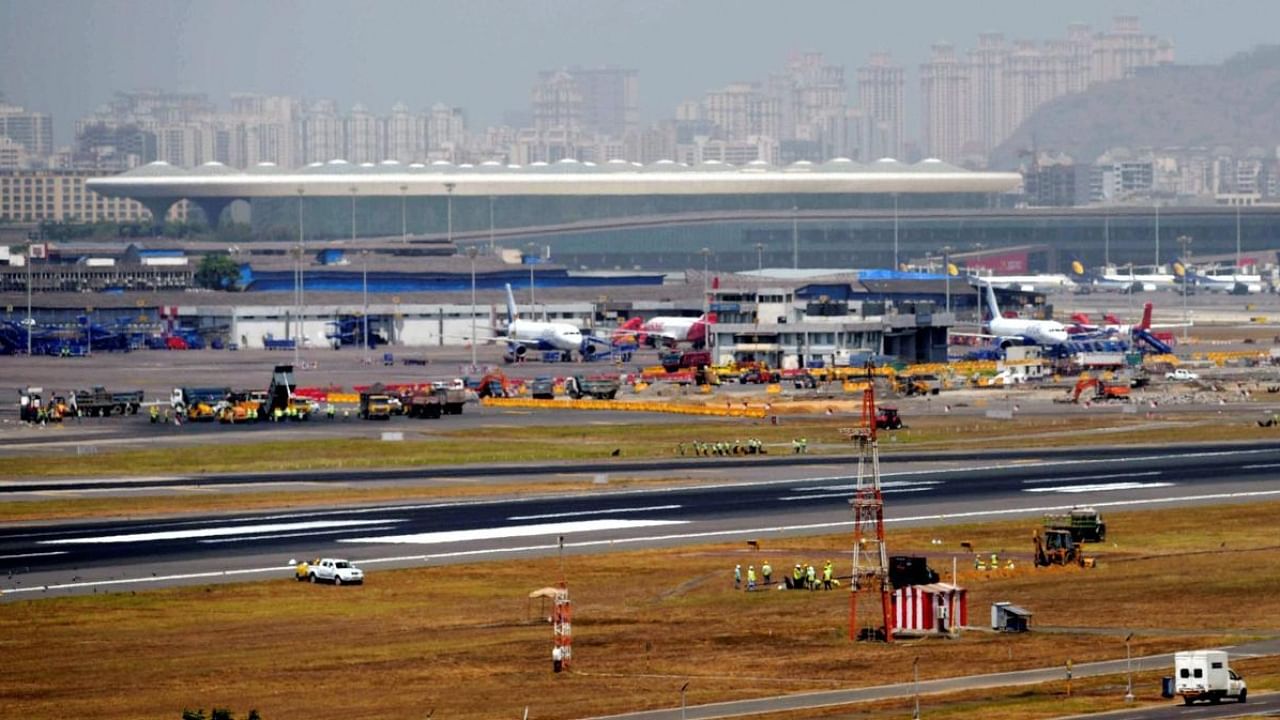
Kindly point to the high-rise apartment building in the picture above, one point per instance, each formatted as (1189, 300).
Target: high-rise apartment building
(946, 118)
(986, 90)
(32, 130)
(406, 135)
(1118, 53)
(363, 141)
(322, 133)
(880, 86)
(610, 99)
(556, 102)
(742, 110)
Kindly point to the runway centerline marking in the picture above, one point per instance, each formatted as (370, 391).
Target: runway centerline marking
(211, 532)
(512, 531)
(1099, 487)
(245, 538)
(1113, 476)
(610, 511)
(34, 554)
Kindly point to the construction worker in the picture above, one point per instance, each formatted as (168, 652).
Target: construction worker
(981, 566)
(797, 577)
(804, 445)
(827, 571)
(1009, 564)
(737, 577)
(811, 578)
(751, 578)
(166, 416)
(330, 411)
(277, 414)
(795, 446)
(155, 414)
(767, 571)
(995, 561)
(977, 561)
(346, 413)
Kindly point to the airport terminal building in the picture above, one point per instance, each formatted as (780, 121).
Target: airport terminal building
(622, 216)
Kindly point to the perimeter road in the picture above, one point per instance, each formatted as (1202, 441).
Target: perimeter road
(828, 698)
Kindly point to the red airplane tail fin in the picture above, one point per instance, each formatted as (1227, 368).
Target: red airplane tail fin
(1146, 317)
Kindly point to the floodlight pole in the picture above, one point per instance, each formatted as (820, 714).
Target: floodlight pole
(706, 289)
(491, 245)
(364, 281)
(1185, 242)
(895, 231)
(471, 254)
(1128, 661)
(946, 270)
(30, 322)
(795, 237)
(404, 224)
(533, 248)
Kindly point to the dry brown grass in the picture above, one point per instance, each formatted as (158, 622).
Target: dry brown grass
(462, 640)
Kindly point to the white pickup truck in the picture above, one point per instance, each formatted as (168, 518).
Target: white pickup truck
(1181, 375)
(338, 572)
(1205, 675)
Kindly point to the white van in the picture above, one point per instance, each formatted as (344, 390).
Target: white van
(1205, 675)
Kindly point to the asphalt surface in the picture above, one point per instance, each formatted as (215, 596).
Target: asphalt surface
(1263, 705)
(729, 505)
(826, 698)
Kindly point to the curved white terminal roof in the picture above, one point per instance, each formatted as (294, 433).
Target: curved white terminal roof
(566, 177)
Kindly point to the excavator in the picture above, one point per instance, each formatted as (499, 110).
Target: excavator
(1058, 547)
(495, 384)
(1103, 390)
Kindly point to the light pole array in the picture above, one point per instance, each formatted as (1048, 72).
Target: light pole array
(1185, 242)
(30, 321)
(300, 283)
(795, 237)
(364, 314)
(471, 254)
(759, 259)
(533, 258)
(404, 223)
(946, 270)
(448, 188)
(491, 244)
(895, 231)
(706, 288)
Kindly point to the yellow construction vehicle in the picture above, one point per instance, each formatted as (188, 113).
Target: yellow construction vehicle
(1058, 547)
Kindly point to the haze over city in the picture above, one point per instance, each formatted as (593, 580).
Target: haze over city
(483, 56)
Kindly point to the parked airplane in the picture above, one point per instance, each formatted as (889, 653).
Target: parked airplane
(524, 334)
(1112, 279)
(1112, 326)
(672, 330)
(1232, 282)
(1031, 283)
(1017, 331)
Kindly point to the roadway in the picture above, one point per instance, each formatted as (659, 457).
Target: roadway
(827, 698)
(729, 502)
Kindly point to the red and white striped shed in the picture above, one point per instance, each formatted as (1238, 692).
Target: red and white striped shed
(929, 609)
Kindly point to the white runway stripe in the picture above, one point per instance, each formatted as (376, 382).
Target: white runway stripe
(210, 532)
(513, 531)
(30, 555)
(884, 484)
(1113, 476)
(849, 493)
(1101, 487)
(293, 535)
(613, 511)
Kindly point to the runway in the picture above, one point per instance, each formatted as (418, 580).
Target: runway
(70, 558)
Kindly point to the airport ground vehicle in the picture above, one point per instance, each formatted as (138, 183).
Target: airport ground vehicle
(336, 571)
(494, 384)
(687, 360)
(599, 388)
(1181, 375)
(198, 403)
(910, 385)
(887, 418)
(1058, 548)
(1206, 675)
(375, 404)
(542, 389)
(758, 375)
(452, 395)
(242, 406)
(101, 403)
(1103, 390)
(1084, 523)
(280, 395)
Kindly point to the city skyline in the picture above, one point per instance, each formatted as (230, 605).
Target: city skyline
(454, 58)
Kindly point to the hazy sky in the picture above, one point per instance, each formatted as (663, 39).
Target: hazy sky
(68, 56)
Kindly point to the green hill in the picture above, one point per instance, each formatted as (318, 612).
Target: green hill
(1236, 104)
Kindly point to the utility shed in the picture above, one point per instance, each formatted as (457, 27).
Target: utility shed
(929, 609)
(1007, 617)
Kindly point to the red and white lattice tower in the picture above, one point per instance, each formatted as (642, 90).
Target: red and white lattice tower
(870, 557)
(562, 624)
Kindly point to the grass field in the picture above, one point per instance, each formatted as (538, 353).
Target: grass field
(464, 640)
